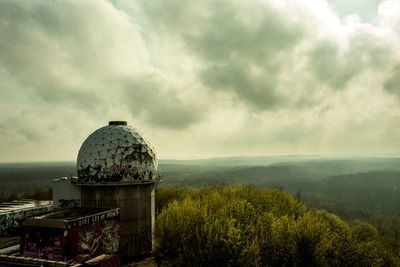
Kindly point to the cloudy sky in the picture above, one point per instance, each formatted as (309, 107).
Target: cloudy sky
(201, 78)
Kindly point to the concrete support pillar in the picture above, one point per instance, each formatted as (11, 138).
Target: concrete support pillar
(137, 213)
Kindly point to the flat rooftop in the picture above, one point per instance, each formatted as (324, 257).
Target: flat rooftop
(71, 217)
(22, 205)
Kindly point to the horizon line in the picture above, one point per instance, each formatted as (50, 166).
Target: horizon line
(189, 158)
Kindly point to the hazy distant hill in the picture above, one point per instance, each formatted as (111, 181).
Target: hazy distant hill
(261, 170)
(18, 178)
(349, 187)
(369, 183)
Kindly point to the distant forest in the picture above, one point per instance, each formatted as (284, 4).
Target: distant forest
(349, 187)
(23, 179)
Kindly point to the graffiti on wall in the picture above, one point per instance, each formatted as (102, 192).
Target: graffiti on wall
(78, 244)
(98, 238)
(94, 218)
(69, 203)
(44, 244)
(9, 222)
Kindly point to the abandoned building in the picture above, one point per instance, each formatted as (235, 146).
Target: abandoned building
(106, 214)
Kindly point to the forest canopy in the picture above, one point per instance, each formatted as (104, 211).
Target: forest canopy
(233, 225)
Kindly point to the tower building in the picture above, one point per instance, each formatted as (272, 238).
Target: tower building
(117, 168)
(105, 215)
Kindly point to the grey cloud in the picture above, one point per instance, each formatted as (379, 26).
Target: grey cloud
(336, 66)
(244, 76)
(79, 97)
(149, 99)
(62, 50)
(258, 92)
(248, 49)
(72, 53)
(328, 66)
(242, 46)
(260, 35)
(31, 54)
(25, 126)
(370, 50)
(246, 59)
(392, 84)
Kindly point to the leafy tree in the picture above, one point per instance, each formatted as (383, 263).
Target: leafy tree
(232, 225)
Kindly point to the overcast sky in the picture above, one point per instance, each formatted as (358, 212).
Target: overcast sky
(202, 78)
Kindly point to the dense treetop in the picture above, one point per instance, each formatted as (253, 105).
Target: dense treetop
(249, 226)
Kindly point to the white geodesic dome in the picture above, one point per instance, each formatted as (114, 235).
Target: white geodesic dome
(116, 153)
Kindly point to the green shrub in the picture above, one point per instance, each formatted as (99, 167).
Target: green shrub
(248, 226)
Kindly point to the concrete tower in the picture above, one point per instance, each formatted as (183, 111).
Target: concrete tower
(117, 168)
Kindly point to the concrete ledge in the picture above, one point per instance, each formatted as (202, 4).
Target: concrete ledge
(71, 217)
(116, 184)
(26, 261)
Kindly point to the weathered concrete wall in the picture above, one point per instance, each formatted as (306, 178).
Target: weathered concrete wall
(74, 243)
(137, 213)
(94, 239)
(65, 193)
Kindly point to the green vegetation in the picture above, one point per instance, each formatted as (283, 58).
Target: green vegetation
(363, 192)
(235, 225)
(39, 194)
(17, 179)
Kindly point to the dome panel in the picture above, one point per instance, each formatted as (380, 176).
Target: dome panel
(116, 153)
